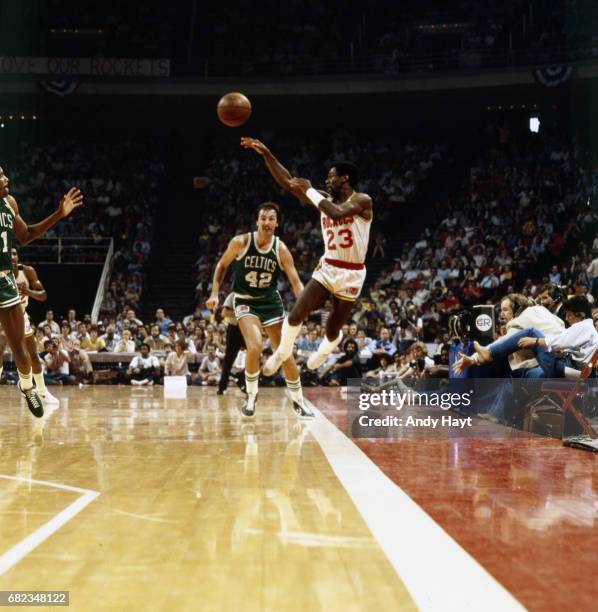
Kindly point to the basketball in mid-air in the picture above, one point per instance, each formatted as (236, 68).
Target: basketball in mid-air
(234, 109)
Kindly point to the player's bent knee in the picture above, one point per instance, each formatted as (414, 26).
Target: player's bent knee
(295, 319)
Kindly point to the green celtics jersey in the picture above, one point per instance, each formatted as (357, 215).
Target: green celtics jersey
(257, 271)
(7, 234)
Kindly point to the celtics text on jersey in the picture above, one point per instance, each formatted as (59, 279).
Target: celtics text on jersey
(257, 270)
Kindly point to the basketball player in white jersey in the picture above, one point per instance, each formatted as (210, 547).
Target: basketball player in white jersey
(29, 286)
(346, 217)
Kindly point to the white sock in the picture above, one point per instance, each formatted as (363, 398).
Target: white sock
(326, 347)
(295, 390)
(40, 383)
(26, 380)
(288, 336)
(251, 382)
(1, 368)
(572, 373)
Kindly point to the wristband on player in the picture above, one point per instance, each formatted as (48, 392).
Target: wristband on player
(314, 196)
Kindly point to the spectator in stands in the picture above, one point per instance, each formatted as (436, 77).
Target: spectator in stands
(384, 345)
(187, 341)
(72, 320)
(156, 340)
(365, 346)
(82, 334)
(49, 320)
(93, 343)
(66, 336)
(111, 339)
(144, 368)
(171, 335)
(162, 321)
(129, 318)
(126, 344)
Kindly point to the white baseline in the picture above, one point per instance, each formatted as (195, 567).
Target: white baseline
(439, 574)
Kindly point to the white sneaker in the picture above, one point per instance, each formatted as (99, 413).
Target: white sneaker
(317, 359)
(272, 364)
(48, 398)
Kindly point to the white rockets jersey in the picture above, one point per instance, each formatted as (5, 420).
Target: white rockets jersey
(22, 279)
(346, 239)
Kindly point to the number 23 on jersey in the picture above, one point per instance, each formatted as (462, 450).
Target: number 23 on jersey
(341, 240)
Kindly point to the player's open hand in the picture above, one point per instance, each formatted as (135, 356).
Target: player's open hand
(300, 184)
(212, 302)
(526, 342)
(462, 363)
(253, 143)
(71, 200)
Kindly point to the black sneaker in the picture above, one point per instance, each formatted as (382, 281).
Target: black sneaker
(241, 384)
(248, 408)
(303, 411)
(34, 403)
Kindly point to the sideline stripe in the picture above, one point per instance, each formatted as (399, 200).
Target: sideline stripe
(32, 541)
(437, 572)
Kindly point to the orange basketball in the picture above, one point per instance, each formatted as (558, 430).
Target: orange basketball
(234, 109)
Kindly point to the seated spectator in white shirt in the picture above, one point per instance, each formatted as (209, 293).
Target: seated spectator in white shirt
(57, 363)
(209, 370)
(177, 362)
(144, 368)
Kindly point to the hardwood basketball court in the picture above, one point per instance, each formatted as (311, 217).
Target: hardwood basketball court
(130, 500)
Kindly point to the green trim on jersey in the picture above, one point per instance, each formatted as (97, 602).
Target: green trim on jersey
(257, 271)
(7, 235)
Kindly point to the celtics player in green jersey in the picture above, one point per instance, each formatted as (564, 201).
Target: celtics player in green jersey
(260, 257)
(12, 227)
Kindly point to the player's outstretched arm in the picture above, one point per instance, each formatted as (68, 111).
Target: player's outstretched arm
(279, 173)
(288, 265)
(235, 246)
(360, 205)
(28, 233)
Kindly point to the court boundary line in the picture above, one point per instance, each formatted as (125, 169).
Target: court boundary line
(437, 571)
(20, 550)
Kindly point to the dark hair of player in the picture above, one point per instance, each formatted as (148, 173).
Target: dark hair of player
(268, 206)
(345, 168)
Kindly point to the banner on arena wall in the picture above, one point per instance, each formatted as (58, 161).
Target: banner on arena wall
(552, 76)
(59, 88)
(85, 66)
